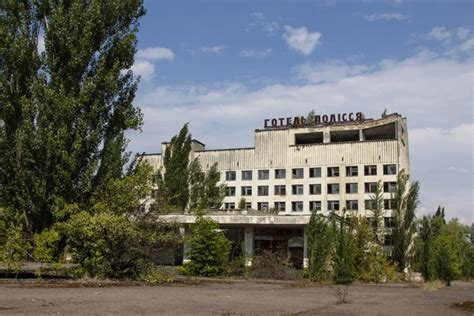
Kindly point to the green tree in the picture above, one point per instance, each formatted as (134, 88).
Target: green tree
(176, 173)
(378, 213)
(320, 247)
(426, 237)
(183, 183)
(242, 204)
(406, 201)
(65, 109)
(210, 249)
(344, 269)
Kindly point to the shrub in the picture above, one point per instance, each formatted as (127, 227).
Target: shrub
(107, 245)
(210, 249)
(46, 246)
(271, 265)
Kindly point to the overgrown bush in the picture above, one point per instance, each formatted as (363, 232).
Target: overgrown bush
(47, 248)
(209, 249)
(107, 245)
(271, 265)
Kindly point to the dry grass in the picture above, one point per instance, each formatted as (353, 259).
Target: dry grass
(432, 286)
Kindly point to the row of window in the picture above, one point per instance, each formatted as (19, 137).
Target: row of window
(297, 206)
(314, 189)
(298, 173)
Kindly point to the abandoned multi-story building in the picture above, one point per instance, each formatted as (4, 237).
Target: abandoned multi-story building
(296, 167)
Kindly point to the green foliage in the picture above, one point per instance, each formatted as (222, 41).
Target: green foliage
(16, 245)
(107, 245)
(124, 195)
(320, 248)
(176, 162)
(65, 110)
(344, 269)
(273, 265)
(155, 275)
(209, 249)
(242, 204)
(183, 184)
(378, 213)
(371, 262)
(47, 246)
(406, 201)
(445, 250)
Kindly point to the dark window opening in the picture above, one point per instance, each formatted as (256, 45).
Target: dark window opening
(383, 132)
(309, 138)
(344, 136)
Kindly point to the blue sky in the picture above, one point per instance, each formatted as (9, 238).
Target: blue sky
(224, 66)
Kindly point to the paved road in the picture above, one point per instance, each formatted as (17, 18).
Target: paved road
(241, 298)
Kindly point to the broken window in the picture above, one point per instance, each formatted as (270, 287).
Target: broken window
(280, 206)
(344, 136)
(390, 169)
(230, 191)
(389, 204)
(370, 187)
(333, 188)
(280, 173)
(351, 187)
(315, 189)
(280, 190)
(263, 174)
(370, 204)
(246, 175)
(382, 132)
(248, 205)
(262, 190)
(315, 205)
(370, 170)
(388, 240)
(389, 222)
(333, 171)
(352, 205)
(297, 206)
(333, 205)
(352, 171)
(262, 206)
(229, 206)
(390, 187)
(246, 191)
(297, 189)
(297, 173)
(230, 175)
(315, 172)
(309, 138)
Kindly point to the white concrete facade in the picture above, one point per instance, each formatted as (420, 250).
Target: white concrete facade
(362, 152)
(278, 149)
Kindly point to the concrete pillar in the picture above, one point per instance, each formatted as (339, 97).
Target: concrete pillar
(326, 136)
(185, 234)
(248, 245)
(305, 249)
(361, 135)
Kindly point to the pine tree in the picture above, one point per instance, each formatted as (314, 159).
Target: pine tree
(65, 109)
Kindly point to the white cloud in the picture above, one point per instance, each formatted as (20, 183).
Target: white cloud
(155, 53)
(143, 68)
(259, 20)
(217, 49)
(439, 33)
(255, 53)
(328, 71)
(434, 91)
(385, 17)
(301, 40)
(144, 65)
(462, 33)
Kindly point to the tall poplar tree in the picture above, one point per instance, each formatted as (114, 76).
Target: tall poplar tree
(65, 101)
(406, 201)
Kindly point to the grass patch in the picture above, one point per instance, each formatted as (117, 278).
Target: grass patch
(432, 286)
